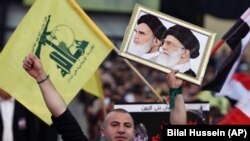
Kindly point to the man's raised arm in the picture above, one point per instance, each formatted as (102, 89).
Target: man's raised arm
(178, 114)
(52, 98)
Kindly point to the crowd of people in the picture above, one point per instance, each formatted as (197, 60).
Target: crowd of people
(121, 85)
(173, 48)
(118, 124)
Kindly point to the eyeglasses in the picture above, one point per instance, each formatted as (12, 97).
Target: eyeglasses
(171, 44)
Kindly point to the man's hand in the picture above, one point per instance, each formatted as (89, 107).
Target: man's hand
(173, 82)
(33, 67)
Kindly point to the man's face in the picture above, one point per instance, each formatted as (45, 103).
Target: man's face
(143, 34)
(172, 50)
(171, 44)
(118, 127)
(142, 40)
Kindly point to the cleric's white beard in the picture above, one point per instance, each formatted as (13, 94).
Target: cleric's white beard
(170, 59)
(139, 49)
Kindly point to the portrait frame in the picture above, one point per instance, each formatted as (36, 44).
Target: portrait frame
(205, 38)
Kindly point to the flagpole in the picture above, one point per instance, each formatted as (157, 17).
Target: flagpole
(140, 76)
(233, 30)
(216, 47)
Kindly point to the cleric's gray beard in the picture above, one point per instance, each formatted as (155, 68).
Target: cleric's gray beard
(139, 49)
(170, 59)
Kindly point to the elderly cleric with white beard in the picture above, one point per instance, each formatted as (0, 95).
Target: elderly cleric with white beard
(148, 34)
(179, 46)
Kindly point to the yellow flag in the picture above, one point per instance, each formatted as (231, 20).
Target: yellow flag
(94, 85)
(69, 44)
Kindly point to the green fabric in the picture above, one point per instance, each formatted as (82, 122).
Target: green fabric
(173, 93)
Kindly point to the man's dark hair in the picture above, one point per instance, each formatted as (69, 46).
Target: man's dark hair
(154, 24)
(187, 39)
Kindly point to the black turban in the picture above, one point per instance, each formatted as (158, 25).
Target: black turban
(158, 29)
(187, 38)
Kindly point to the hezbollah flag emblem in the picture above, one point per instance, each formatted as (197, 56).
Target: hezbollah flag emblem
(70, 46)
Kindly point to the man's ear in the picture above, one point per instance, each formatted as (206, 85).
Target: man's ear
(102, 131)
(185, 53)
(156, 40)
(155, 45)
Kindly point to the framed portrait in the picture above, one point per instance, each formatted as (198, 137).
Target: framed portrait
(150, 117)
(165, 43)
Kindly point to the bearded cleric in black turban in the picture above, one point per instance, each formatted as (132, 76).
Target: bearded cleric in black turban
(187, 39)
(154, 24)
